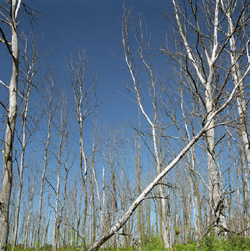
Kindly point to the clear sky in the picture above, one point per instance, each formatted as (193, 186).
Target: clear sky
(95, 25)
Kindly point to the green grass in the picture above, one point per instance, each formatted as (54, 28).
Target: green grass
(215, 243)
(153, 243)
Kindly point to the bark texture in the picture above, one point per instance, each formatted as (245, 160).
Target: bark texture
(10, 128)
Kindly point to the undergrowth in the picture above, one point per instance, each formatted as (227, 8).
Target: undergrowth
(154, 243)
(215, 243)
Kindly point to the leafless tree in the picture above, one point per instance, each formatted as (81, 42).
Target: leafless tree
(209, 78)
(214, 97)
(63, 133)
(51, 109)
(29, 81)
(86, 103)
(9, 17)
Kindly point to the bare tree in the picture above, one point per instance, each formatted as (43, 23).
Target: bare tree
(118, 225)
(51, 108)
(28, 223)
(216, 96)
(29, 71)
(145, 57)
(9, 14)
(63, 132)
(86, 103)
(209, 77)
(237, 31)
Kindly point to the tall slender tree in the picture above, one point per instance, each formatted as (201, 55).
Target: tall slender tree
(62, 131)
(209, 73)
(85, 103)
(9, 15)
(51, 109)
(29, 71)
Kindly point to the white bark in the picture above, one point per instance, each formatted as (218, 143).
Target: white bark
(216, 201)
(63, 121)
(27, 237)
(10, 128)
(24, 118)
(45, 164)
(82, 93)
(120, 223)
(237, 77)
(152, 123)
(103, 201)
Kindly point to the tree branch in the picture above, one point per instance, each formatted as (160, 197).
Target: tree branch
(4, 106)
(1, 82)
(7, 43)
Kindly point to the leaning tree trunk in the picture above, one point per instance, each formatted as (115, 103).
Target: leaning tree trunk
(120, 223)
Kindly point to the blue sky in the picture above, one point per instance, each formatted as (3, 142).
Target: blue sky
(95, 25)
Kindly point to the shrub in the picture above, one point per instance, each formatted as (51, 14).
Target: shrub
(153, 243)
(187, 247)
(235, 243)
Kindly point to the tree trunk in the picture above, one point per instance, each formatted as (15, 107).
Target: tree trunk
(238, 78)
(103, 203)
(44, 167)
(27, 237)
(118, 225)
(10, 130)
(62, 134)
(24, 118)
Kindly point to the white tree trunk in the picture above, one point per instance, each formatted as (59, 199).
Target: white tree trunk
(103, 202)
(62, 134)
(24, 118)
(27, 237)
(10, 129)
(212, 54)
(237, 74)
(116, 227)
(38, 240)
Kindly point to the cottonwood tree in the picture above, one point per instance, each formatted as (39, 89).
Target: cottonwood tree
(9, 21)
(63, 133)
(145, 56)
(67, 165)
(29, 83)
(237, 14)
(185, 127)
(136, 150)
(216, 96)
(120, 223)
(30, 209)
(51, 107)
(209, 73)
(84, 91)
(94, 188)
(110, 154)
(238, 20)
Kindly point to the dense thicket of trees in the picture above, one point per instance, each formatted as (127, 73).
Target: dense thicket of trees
(182, 167)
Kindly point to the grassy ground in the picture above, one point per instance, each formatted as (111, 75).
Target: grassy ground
(214, 243)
